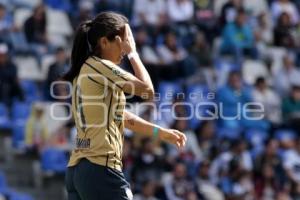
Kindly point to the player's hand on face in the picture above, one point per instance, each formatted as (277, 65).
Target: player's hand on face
(173, 136)
(128, 43)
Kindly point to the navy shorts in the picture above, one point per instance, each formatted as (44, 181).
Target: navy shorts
(89, 181)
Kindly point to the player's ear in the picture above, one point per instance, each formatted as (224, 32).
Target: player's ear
(118, 40)
(103, 41)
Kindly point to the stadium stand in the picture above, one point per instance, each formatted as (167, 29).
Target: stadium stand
(239, 50)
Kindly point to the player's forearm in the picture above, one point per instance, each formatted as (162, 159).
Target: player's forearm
(139, 125)
(140, 71)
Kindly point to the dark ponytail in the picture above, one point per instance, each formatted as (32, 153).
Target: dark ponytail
(80, 51)
(106, 24)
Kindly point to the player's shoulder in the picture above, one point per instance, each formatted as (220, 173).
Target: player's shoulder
(103, 65)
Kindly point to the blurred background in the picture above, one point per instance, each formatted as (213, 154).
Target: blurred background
(238, 50)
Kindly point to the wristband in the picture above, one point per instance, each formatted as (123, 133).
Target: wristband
(155, 132)
(132, 54)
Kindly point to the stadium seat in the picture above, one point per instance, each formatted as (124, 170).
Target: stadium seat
(58, 27)
(54, 160)
(3, 183)
(223, 67)
(46, 62)
(168, 90)
(196, 94)
(18, 136)
(21, 15)
(229, 133)
(253, 69)
(18, 196)
(28, 68)
(285, 134)
(256, 137)
(27, 3)
(20, 111)
(30, 90)
(5, 122)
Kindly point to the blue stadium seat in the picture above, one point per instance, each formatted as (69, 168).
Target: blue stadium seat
(196, 94)
(18, 136)
(3, 183)
(30, 90)
(227, 64)
(167, 89)
(167, 92)
(5, 122)
(19, 196)
(256, 137)
(229, 133)
(54, 160)
(20, 111)
(285, 134)
(223, 67)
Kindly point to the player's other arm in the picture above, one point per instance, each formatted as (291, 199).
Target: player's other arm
(141, 126)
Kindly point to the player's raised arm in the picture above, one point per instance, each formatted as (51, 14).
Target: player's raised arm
(140, 84)
(141, 126)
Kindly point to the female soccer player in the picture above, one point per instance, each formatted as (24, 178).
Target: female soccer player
(95, 167)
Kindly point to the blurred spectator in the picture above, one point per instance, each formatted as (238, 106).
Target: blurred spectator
(57, 69)
(146, 51)
(270, 156)
(180, 11)
(36, 32)
(148, 165)
(85, 13)
(291, 108)
(128, 157)
(36, 135)
(271, 102)
(175, 58)
(191, 152)
(205, 188)
(178, 186)
(286, 76)
(206, 140)
(149, 12)
(238, 38)
(147, 193)
(284, 32)
(9, 83)
(267, 185)
(64, 138)
(285, 6)
(291, 163)
(35, 26)
(269, 173)
(231, 96)
(201, 50)
(5, 24)
(264, 29)
(229, 11)
(256, 7)
(237, 160)
(243, 187)
(263, 34)
(205, 18)
(170, 51)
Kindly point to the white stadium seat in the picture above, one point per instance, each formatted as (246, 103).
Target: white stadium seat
(253, 69)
